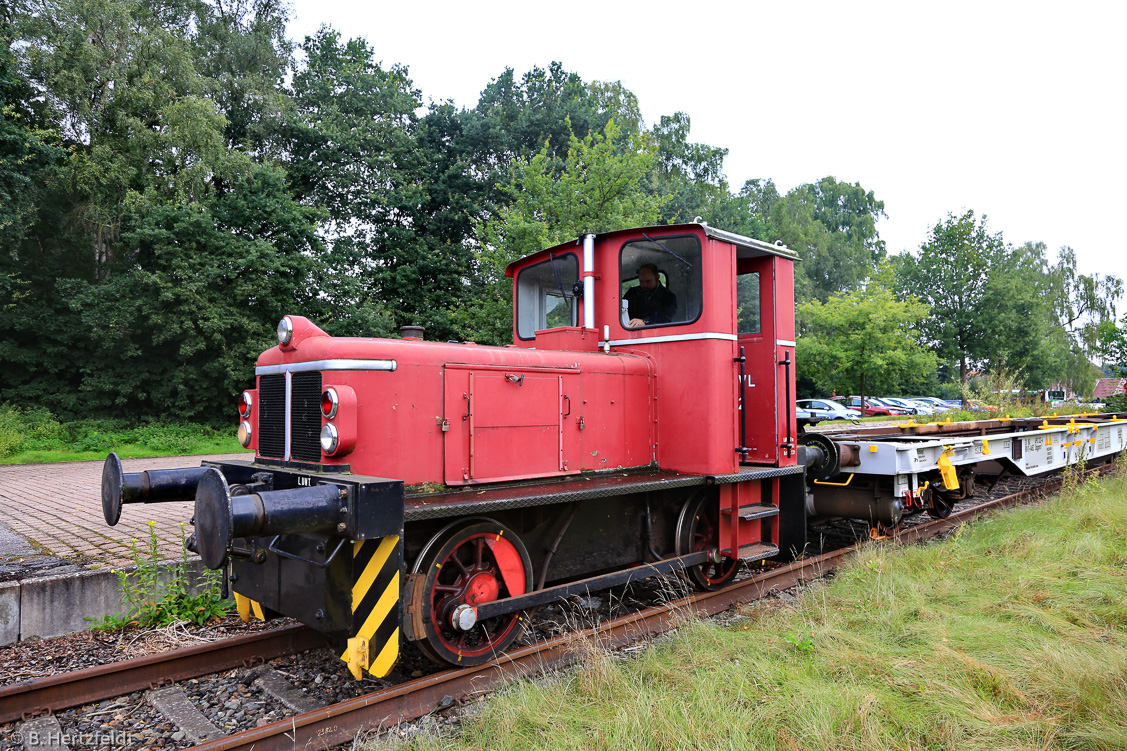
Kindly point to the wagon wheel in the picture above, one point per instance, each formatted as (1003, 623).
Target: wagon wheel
(940, 506)
(471, 564)
(698, 528)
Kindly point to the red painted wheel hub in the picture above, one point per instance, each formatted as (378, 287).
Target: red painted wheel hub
(477, 565)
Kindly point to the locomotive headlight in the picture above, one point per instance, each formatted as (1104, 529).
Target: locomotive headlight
(330, 403)
(285, 331)
(245, 433)
(330, 438)
(245, 404)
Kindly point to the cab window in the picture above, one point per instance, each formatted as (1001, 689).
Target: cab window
(748, 315)
(660, 281)
(546, 295)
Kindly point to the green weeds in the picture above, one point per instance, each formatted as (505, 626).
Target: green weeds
(156, 594)
(35, 435)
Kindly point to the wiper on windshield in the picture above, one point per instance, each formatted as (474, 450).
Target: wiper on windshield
(667, 250)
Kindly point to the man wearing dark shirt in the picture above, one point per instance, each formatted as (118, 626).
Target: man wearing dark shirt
(649, 302)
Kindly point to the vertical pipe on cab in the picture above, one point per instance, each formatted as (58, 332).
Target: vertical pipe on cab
(588, 281)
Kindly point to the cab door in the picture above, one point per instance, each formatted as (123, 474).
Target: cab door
(765, 337)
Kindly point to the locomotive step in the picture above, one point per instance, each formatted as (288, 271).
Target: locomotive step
(750, 511)
(755, 551)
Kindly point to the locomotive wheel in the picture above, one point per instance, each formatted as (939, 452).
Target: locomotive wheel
(469, 565)
(698, 528)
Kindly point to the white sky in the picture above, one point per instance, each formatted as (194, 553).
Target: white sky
(1015, 110)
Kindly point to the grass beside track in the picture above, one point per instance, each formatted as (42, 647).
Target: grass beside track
(1011, 634)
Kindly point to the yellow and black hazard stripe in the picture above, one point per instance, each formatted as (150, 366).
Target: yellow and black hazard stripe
(247, 606)
(375, 606)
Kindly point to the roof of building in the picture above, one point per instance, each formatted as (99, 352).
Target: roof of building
(1106, 387)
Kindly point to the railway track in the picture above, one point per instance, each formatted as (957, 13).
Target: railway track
(33, 704)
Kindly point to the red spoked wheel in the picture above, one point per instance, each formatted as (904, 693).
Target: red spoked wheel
(698, 528)
(473, 564)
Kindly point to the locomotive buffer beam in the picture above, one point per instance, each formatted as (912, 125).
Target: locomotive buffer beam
(347, 509)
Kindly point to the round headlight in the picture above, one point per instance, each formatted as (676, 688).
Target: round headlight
(330, 439)
(245, 433)
(245, 404)
(329, 403)
(285, 331)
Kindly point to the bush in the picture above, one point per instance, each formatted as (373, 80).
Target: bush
(26, 430)
(1115, 404)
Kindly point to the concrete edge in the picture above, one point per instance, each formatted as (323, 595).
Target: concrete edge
(66, 603)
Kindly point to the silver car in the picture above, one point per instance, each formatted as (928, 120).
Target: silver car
(938, 404)
(824, 409)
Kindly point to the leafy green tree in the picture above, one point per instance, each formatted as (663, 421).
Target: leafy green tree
(950, 275)
(242, 54)
(1112, 347)
(598, 188)
(518, 117)
(832, 226)
(26, 149)
(195, 298)
(1082, 303)
(399, 193)
(863, 342)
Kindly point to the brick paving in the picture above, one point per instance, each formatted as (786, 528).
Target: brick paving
(58, 509)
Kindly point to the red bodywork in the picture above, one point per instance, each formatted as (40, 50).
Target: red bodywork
(558, 404)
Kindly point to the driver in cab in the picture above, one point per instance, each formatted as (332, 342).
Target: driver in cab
(650, 302)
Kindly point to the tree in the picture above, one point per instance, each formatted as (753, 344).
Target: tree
(1082, 303)
(544, 106)
(196, 297)
(863, 342)
(242, 54)
(597, 189)
(26, 148)
(832, 226)
(950, 275)
(1112, 347)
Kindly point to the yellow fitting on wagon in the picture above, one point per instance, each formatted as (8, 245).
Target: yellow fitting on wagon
(947, 472)
(836, 484)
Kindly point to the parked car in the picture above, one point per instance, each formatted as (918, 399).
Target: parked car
(826, 409)
(895, 407)
(938, 404)
(926, 408)
(871, 408)
(915, 408)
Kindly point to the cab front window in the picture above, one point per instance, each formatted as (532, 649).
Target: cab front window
(546, 295)
(660, 281)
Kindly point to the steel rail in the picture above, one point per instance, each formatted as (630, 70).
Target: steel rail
(341, 723)
(56, 692)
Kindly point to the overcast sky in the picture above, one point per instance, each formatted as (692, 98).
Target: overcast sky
(1013, 110)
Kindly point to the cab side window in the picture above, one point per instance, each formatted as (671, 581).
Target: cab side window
(748, 317)
(546, 295)
(660, 281)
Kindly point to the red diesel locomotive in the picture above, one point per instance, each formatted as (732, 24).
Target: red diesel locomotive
(430, 491)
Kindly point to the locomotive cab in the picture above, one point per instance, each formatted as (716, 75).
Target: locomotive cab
(718, 326)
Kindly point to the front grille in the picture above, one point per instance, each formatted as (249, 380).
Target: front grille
(272, 416)
(305, 426)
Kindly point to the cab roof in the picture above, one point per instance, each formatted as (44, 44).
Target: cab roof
(747, 247)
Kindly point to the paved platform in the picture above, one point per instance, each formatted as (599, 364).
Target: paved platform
(51, 518)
